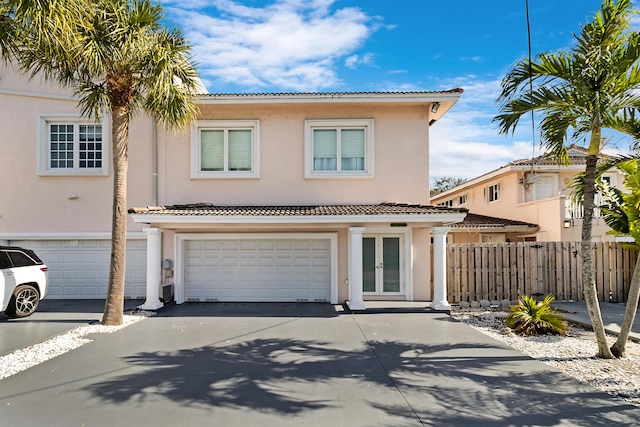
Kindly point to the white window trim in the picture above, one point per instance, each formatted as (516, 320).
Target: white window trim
(309, 125)
(487, 191)
(254, 125)
(43, 161)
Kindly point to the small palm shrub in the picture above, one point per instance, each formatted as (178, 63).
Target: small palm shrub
(531, 317)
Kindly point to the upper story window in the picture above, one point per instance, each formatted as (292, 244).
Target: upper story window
(448, 203)
(225, 149)
(462, 200)
(492, 193)
(71, 145)
(338, 148)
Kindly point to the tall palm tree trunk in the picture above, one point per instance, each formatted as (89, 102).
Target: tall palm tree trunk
(114, 304)
(589, 285)
(618, 348)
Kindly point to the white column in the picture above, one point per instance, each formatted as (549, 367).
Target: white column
(440, 269)
(154, 268)
(355, 268)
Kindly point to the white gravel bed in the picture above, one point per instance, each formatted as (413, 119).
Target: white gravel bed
(573, 354)
(25, 358)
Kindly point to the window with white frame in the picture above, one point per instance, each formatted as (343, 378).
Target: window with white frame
(338, 148)
(225, 149)
(492, 193)
(71, 145)
(462, 200)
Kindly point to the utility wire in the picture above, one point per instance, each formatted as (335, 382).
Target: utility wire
(533, 126)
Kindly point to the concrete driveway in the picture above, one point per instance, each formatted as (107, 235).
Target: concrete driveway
(277, 365)
(53, 317)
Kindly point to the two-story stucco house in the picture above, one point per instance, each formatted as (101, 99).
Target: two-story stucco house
(267, 197)
(534, 191)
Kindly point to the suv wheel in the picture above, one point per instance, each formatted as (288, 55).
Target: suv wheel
(24, 302)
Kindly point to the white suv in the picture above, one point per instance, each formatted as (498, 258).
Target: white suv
(23, 281)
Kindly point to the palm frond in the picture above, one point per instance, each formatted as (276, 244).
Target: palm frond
(531, 317)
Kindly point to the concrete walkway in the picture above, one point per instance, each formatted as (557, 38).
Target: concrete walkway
(311, 365)
(612, 315)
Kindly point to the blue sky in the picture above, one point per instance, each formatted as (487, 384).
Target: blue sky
(384, 45)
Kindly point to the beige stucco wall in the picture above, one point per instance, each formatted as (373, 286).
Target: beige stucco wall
(39, 204)
(401, 169)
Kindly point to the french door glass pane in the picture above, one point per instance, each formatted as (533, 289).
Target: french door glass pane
(325, 149)
(212, 150)
(368, 264)
(240, 150)
(352, 149)
(391, 264)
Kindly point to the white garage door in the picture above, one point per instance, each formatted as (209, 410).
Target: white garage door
(257, 270)
(79, 269)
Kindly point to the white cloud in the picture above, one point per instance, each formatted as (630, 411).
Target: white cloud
(354, 61)
(289, 44)
(465, 143)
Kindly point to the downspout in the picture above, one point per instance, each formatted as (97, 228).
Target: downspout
(154, 160)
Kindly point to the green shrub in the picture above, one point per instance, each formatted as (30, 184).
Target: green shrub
(531, 317)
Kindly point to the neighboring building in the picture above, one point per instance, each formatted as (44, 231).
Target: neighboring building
(267, 197)
(533, 191)
(487, 229)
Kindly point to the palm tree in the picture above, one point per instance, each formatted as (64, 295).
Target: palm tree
(580, 92)
(16, 16)
(119, 58)
(622, 214)
(6, 31)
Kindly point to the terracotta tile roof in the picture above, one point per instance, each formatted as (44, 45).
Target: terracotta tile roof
(482, 221)
(547, 161)
(202, 209)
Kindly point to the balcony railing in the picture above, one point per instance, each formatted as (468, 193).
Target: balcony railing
(576, 210)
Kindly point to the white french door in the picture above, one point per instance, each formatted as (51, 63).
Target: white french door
(382, 272)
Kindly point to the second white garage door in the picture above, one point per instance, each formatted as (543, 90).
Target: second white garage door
(257, 269)
(79, 269)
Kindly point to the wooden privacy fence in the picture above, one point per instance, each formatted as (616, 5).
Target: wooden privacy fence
(497, 271)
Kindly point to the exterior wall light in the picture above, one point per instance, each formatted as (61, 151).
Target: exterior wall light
(435, 107)
(567, 223)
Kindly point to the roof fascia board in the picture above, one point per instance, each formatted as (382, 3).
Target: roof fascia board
(418, 97)
(316, 219)
(488, 176)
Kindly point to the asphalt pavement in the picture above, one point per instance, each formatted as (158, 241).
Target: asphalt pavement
(53, 317)
(311, 365)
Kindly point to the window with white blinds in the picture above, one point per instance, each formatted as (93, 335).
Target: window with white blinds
(352, 149)
(225, 149)
(211, 150)
(339, 148)
(325, 149)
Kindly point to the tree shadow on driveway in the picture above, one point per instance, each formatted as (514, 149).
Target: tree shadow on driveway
(451, 384)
